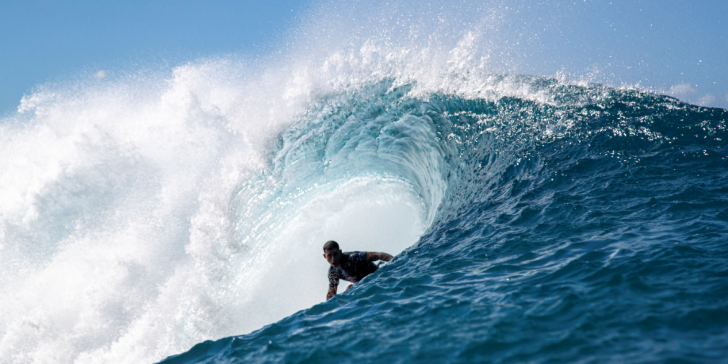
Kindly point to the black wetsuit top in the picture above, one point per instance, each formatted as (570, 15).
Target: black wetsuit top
(354, 268)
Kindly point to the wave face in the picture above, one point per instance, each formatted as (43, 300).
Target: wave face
(534, 219)
(590, 227)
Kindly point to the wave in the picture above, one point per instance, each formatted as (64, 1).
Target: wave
(149, 212)
(588, 228)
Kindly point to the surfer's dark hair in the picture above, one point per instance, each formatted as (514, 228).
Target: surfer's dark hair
(331, 245)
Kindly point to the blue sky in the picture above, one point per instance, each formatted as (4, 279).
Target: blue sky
(45, 40)
(677, 47)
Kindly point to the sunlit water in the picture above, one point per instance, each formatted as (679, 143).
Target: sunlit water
(534, 219)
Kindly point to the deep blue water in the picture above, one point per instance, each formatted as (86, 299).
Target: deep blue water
(589, 227)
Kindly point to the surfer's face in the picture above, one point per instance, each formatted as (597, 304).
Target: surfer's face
(333, 256)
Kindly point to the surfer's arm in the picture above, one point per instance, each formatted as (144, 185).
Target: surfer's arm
(331, 293)
(374, 256)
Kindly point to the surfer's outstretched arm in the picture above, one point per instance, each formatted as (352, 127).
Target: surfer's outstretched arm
(331, 293)
(374, 256)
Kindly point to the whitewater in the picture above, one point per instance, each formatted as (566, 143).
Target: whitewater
(178, 214)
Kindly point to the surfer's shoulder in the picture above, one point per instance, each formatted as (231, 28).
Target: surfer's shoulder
(356, 256)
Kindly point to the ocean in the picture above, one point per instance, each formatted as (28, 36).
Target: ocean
(590, 228)
(179, 216)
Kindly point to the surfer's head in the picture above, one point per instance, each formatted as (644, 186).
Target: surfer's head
(332, 253)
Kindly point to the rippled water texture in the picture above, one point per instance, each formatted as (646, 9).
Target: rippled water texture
(591, 227)
(179, 212)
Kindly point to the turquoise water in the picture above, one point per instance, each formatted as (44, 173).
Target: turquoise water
(589, 226)
(176, 213)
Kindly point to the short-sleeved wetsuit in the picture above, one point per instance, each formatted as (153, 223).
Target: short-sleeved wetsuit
(353, 268)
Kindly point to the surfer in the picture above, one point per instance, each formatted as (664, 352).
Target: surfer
(349, 266)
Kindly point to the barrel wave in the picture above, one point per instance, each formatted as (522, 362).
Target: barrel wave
(178, 213)
(587, 226)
